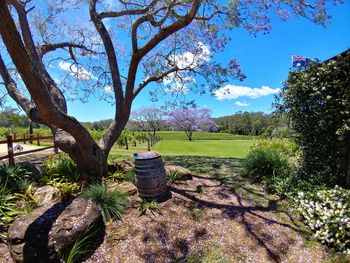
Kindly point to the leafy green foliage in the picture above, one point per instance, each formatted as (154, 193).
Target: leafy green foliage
(111, 203)
(268, 162)
(251, 123)
(173, 176)
(285, 146)
(8, 209)
(83, 245)
(62, 167)
(66, 189)
(116, 176)
(327, 213)
(11, 176)
(317, 101)
(148, 206)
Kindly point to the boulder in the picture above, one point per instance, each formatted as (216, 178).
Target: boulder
(123, 165)
(184, 173)
(127, 188)
(47, 195)
(36, 237)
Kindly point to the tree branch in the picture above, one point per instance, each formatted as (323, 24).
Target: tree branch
(112, 132)
(160, 36)
(131, 12)
(153, 79)
(15, 94)
(48, 47)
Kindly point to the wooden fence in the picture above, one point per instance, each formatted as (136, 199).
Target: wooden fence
(26, 138)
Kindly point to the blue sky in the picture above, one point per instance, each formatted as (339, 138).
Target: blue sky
(265, 59)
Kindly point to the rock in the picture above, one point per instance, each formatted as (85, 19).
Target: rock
(127, 188)
(73, 221)
(47, 195)
(36, 168)
(184, 173)
(37, 236)
(124, 166)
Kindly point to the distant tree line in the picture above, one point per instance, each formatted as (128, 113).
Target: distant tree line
(254, 123)
(11, 118)
(152, 120)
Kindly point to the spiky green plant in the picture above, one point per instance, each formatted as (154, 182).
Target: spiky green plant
(148, 206)
(66, 189)
(8, 210)
(11, 176)
(111, 202)
(82, 246)
(173, 176)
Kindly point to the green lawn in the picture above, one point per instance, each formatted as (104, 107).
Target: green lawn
(181, 135)
(209, 148)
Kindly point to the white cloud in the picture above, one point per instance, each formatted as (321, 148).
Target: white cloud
(230, 92)
(79, 73)
(192, 60)
(108, 89)
(242, 104)
(187, 60)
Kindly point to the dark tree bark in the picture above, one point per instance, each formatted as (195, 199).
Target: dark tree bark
(48, 104)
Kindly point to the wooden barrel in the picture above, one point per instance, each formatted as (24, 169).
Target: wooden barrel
(151, 181)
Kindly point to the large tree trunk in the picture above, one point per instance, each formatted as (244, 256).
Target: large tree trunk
(48, 105)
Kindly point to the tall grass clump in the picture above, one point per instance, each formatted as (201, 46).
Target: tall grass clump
(111, 203)
(83, 245)
(268, 162)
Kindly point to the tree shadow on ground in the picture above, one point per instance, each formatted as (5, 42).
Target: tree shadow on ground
(252, 203)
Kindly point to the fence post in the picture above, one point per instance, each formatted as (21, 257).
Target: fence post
(38, 139)
(24, 138)
(148, 145)
(126, 144)
(10, 150)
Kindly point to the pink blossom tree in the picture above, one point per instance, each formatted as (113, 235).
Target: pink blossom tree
(190, 120)
(114, 50)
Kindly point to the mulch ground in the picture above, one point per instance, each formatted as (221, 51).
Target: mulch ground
(209, 220)
(205, 221)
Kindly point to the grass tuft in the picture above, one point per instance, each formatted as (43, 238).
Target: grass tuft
(111, 203)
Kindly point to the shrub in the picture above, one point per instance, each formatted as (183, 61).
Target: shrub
(263, 163)
(66, 189)
(317, 101)
(111, 203)
(327, 213)
(8, 211)
(61, 166)
(285, 146)
(12, 176)
(268, 162)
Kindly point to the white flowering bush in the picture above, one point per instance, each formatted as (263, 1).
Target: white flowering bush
(327, 213)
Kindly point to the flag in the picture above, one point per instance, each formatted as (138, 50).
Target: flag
(299, 61)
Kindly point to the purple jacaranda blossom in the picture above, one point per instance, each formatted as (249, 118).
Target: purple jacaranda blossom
(190, 120)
